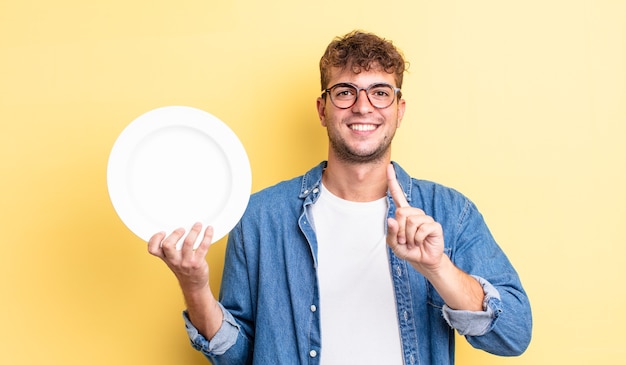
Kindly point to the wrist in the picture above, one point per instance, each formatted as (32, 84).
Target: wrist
(197, 293)
(459, 290)
(438, 271)
(204, 311)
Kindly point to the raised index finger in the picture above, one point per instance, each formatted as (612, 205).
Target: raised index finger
(394, 188)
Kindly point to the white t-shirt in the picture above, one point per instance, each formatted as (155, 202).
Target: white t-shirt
(358, 314)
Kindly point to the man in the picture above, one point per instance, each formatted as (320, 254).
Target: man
(354, 262)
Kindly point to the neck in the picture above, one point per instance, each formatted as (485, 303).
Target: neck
(356, 182)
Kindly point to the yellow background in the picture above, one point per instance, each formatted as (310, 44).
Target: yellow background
(521, 105)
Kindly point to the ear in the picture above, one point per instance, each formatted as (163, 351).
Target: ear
(401, 109)
(321, 110)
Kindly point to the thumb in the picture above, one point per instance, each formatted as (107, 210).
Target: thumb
(392, 232)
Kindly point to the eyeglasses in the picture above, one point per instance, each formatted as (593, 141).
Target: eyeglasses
(344, 95)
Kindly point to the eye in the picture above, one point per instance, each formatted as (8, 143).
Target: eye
(344, 92)
(381, 91)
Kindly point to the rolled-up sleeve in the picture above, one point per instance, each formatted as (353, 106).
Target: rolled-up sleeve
(476, 323)
(224, 339)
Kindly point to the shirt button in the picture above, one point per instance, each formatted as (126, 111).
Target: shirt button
(315, 190)
(398, 271)
(406, 315)
(313, 353)
(313, 308)
(306, 192)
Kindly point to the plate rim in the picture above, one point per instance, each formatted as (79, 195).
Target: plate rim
(198, 119)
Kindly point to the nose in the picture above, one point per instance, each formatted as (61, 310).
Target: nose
(362, 103)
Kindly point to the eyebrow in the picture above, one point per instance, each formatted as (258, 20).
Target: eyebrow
(359, 87)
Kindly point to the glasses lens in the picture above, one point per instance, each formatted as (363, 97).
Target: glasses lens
(381, 95)
(343, 95)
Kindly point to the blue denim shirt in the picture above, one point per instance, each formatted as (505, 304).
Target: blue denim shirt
(270, 295)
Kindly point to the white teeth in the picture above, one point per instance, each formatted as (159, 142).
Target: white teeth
(362, 127)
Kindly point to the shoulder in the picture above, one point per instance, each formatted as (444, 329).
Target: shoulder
(420, 192)
(291, 191)
(278, 192)
(445, 204)
(426, 189)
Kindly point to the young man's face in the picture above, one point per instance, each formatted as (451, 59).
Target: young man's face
(361, 133)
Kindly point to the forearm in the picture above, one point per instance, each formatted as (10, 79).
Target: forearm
(459, 290)
(203, 311)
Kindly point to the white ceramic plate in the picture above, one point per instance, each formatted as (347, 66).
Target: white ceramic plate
(174, 166)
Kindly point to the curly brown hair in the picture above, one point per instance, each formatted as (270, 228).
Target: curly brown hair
(362, 51)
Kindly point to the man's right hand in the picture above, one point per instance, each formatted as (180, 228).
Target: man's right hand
(192, 271)
(189, 265)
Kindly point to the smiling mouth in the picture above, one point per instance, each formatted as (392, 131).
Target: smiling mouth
(363, 127)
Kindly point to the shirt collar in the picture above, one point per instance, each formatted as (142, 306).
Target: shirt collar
(312, 180)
